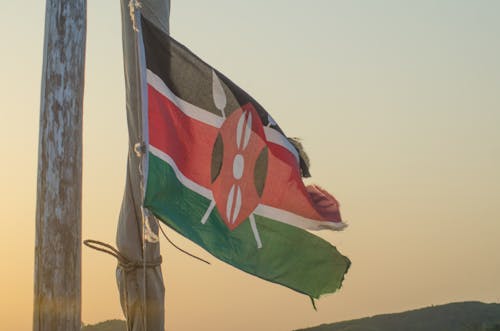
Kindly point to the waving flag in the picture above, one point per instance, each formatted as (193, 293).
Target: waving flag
(223, 174)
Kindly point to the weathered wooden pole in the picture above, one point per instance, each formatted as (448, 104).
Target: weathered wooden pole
(57, 297)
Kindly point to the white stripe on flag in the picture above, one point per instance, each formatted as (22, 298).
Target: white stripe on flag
(180, 176)
(209, 118)
(277, 138)
(187, 108)
(273, 213)
(298, 221)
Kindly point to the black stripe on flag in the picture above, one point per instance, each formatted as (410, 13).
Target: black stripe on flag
(190, 78)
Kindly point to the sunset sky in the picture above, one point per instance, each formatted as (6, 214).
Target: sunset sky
(397, 104)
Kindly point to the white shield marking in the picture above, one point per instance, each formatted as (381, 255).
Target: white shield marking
(237, 206)
(248, 130)
(229, 205)
(239, 130)
(238, 166)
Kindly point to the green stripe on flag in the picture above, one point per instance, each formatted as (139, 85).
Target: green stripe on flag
(290, 256)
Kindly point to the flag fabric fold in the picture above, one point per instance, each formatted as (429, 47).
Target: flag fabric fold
(223, 174)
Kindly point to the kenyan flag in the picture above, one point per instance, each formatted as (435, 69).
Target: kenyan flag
(223, 174)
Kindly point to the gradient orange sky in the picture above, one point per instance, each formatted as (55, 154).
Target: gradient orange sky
(398, 106)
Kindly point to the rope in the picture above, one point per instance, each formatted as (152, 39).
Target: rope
(178, 248)
(128, 265)
(123, 262)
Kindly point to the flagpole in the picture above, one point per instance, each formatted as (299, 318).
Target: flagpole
(57, 274)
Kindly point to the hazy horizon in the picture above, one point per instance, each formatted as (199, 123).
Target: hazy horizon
(397, 104)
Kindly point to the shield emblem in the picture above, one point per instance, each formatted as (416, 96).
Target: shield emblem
(239, 165)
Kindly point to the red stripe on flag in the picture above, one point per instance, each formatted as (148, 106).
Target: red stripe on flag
(188, 141)
(284, 187)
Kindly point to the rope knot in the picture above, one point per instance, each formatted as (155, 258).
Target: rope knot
(123, 262)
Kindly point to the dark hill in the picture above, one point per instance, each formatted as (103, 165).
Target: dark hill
(464, 316)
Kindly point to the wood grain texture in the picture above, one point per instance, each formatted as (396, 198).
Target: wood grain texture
(57, 297)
